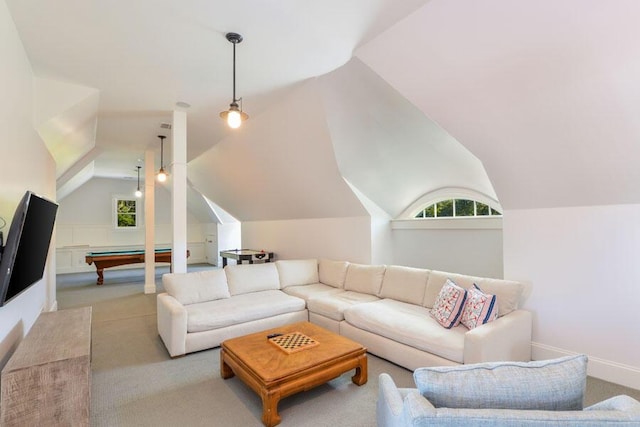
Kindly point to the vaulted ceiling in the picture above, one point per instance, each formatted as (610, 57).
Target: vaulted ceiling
(545, 93)
(529, 103)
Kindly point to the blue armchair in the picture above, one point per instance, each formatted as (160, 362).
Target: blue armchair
(539, 393)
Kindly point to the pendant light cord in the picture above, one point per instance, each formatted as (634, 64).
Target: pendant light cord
(234, 71)
(161, 153)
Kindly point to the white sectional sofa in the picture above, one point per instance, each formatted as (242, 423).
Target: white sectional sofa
(200, 310)
(385, 308)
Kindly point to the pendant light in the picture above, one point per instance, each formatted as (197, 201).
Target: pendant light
(234, 116)
(138, 193)
(162, 175)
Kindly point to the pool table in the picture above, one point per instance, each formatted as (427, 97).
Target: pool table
(108, 259)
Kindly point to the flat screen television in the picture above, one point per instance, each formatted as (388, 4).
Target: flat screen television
(25, 253)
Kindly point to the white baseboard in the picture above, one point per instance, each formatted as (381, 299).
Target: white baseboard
(628, 376)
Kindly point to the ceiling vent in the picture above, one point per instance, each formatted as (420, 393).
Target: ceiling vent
(165, 125)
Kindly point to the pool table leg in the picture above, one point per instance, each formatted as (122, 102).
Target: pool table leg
(100, 272)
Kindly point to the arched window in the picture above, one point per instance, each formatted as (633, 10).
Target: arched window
(450, 208)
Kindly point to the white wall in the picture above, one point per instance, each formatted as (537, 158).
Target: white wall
(25, 165)
(223, 237)
(346, 239)
(389, 149)
(85, 222)
(468, 251)
(473, 252)
(381, 247)
(583, 264)
(92, 202)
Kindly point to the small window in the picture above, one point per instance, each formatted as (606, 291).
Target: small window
(430, 211)
(126, 213)
(457, 208)
(465, 207)
(482, 209)
(444, 208)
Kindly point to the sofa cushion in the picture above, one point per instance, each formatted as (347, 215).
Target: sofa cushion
(447, 309)
(404, 284)
(479, 309)
(200, 286)
(332, 273)
(408, 324)
(239, 309)
(309, 291)
(365, 279)
(244, 278)
(297, 272)
(507, 292)
(552, 385)
(333, 305)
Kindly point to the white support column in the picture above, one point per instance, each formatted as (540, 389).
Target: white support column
(179, 192)
(149, 222)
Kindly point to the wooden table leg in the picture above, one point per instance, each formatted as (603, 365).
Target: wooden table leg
(225, 371)
(100, 272)
(270, 400)
(360, 376)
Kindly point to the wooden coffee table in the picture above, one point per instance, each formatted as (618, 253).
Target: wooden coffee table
(274, 374)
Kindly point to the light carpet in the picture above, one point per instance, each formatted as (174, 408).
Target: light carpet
(136, 383)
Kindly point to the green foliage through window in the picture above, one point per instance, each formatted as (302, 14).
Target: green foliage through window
(444, 208)
(482, 209)
(465, 207)
(126, 214)
(457, 208)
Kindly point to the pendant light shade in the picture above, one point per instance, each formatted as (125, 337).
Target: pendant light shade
(234, 116)
(138, 193)
(162, 175)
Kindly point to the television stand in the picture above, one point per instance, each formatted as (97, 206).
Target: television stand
(47, 381)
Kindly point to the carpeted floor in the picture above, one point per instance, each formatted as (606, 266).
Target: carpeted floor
(136, 383)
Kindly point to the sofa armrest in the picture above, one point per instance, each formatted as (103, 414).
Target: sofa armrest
(506, 338)
(418, 411)
(390, 405)
(172, 324)
(622, 403)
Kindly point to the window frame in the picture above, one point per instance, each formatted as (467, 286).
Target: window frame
(407, 219)
(433, 206)
(115, 213)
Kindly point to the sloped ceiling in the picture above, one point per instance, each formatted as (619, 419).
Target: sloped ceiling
(545, 93)
(280, 165)
(290, 161)
(65, 118)
(144, 56)
(388, 148)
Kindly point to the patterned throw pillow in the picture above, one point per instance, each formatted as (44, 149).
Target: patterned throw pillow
(479, 309)
(448, 306)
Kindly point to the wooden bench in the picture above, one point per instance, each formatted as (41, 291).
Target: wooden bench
(47, 381)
